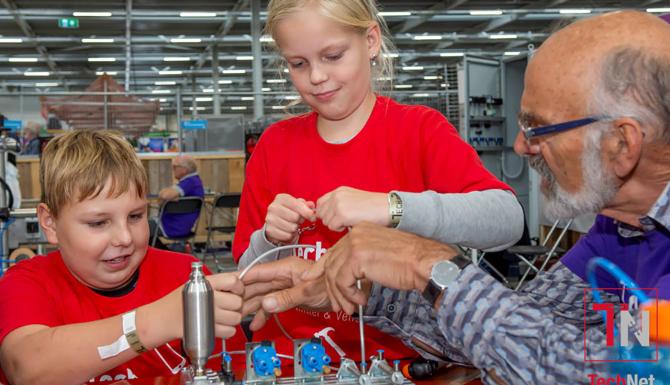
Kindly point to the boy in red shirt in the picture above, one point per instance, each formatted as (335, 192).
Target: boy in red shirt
(105, 306)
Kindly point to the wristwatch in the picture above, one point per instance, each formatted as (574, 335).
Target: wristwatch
(442, 274)
(395, 208)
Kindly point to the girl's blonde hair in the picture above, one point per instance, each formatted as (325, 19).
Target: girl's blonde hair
(356, 14)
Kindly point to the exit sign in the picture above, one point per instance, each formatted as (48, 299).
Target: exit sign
(68, 22)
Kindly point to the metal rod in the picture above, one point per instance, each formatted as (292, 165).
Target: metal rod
(361, 332)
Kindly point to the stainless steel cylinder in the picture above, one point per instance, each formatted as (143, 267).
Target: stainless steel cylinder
(198, 305)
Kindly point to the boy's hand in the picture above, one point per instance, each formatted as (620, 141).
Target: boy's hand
(228, 292)
(284, 217)
(162, 320)
(345, 207)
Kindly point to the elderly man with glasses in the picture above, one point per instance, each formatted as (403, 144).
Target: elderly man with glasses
(595, 124)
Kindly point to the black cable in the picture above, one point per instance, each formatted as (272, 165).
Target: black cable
(10, 196)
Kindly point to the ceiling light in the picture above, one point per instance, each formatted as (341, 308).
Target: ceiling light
(185, 40)
(574, 11)
(169, 72)
(22, 60)
(276, 80)
(267, 39)
(512, 53)
(278, 107)
(91, 14)
(412, 68)
(110, 73)
(225, 81)
(266, 89)
(247, 98)
(421, 95)
(658, 10)
(96, 40)
(176, 58)
(384, 79)
(231, 72)
(244, 58)
(161, 91)
(451, 54)
(165, 83)
(486, 13)
(197, 108)
(208, 90)
(285, 70)
(204, 99)
(291, 97)
(443, 85)
(431, 77)
(48, 84)
(400, 86)
(197, 14)
(503, 36)
(391, 55)
(238, 108)
(162, 100)
(102, 59)
(37, 73)
(10, 40)
(427, 37)
(384, 14)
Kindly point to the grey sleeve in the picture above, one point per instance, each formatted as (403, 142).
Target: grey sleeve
(408, 317)
(259, 244)
(531, 337)
(536, 336)
(487, 220)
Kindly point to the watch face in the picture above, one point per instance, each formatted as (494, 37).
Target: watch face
(445, 272)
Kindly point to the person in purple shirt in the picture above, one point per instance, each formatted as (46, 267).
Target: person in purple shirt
(188, 184)
(595, 124)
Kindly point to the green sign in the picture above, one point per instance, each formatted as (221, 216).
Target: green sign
(68, 22)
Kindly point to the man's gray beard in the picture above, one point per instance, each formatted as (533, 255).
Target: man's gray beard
(598, 187)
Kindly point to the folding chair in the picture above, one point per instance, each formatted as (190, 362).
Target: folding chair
(530, 254)
(184, 205)
(226, 206)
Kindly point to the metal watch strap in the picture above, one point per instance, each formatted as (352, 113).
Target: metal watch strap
(395, 208)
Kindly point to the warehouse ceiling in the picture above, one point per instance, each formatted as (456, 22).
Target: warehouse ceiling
(160, 45)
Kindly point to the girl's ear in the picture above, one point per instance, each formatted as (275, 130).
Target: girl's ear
(374, 39)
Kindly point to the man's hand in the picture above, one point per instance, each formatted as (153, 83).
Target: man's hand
(390, 257)
(346, 206)
(277, 286)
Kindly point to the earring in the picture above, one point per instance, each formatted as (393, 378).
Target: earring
(373, 60)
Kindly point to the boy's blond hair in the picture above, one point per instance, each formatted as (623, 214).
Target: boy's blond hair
(78, 164)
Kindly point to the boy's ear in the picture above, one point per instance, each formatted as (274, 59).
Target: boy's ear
(47, 223)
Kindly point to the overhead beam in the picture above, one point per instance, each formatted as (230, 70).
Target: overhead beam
(223, 30)
(414, 22)
(28, 32)
(501, 21)
(129, 9)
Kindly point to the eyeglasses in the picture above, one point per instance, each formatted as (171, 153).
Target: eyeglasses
(533, 132)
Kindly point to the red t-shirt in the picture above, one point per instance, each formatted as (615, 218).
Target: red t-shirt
(43, 291)
(402, 147)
